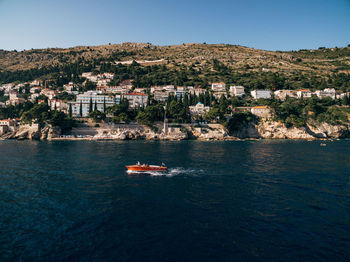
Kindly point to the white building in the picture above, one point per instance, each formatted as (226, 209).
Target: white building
(328, 92)
(283, 94)
(136, 99)
(58, 104)
(237, 91)
(14, 99)
(160, 95)
(196, 91)
(35, 90)
(36, 83)
(199, 109)
(219, 94)
(69, 88)
(83, 101)
(7, 125)
(218, 87)
(180, 94)
(257, 94)
(305, 93)
(50, 94)
(261, 111)
(33, 97)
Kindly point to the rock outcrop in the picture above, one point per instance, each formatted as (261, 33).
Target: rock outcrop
(277, 130)
(34, 132)
(325, 130)
(265, 129)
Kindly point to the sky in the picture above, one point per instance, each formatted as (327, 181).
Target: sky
(262, 24)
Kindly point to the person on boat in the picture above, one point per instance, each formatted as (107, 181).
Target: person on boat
(163, 164)
(138, 163)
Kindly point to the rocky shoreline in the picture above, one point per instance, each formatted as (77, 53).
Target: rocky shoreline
(262, 130)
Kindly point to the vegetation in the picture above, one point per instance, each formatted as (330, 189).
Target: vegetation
(240, 120)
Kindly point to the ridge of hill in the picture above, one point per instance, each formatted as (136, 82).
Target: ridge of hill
(320, 62)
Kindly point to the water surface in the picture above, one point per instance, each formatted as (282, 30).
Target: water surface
(220, 201)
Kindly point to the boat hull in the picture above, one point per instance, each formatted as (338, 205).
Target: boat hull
(146, 168)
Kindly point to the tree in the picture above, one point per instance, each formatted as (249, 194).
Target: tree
(104, 104)
(90, 105)
(58, 118)
(70, 110)
(97, 116)
(95, 107)
(81, 109)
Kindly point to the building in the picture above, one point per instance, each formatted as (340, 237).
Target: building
(83, 102)
(8, 125)
(283, 94)
(70, 87)
(218, 87)
(136, 99)
(36, 83)
(160, 95)
(103, 82)
(57, 104)
(237, 91)
(169, 88)
(261, 111)
(49, 93)
(35, 90)
(196, 91)
(219, 94)
(33, 97)
(257, 94)
(199, 109)
(304, 93)
(139, 90)
(328, 92)
(14, 99)
(180, 94)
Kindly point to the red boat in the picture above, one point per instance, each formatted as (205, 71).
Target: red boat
(144, 168)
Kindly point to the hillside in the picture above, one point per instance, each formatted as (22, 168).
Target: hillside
(320, 61)
(214, 62)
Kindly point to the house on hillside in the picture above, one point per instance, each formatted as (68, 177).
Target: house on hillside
(49, 93)
(237, 91)
(136, 99)
(199, 109)
(218, 87)
(257, 94)
(8, 125)
(160, 95)
(14, 99)
(327, 92)
(261, 111)
(283, 94)
(81, 107)
(304, 93)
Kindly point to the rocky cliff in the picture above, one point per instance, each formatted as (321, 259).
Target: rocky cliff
(33, 132)
(277, 130)
(265, 129)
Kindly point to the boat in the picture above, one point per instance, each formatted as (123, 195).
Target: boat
(146, 168)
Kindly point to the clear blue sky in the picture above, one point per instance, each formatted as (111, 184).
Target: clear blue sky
(263, 24)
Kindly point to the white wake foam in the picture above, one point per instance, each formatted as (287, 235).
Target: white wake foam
(176, 171)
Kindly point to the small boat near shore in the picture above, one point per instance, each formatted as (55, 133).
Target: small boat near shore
(146, 168)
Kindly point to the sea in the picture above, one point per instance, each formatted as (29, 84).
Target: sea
(264, 200)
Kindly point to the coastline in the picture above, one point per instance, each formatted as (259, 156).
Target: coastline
(178, 132)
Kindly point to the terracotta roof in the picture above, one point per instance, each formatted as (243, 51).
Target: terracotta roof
(261, 107)
(304, 90)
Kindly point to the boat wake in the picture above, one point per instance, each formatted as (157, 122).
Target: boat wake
(176, 171)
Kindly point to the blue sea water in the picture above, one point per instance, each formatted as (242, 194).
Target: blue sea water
(220, 201)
